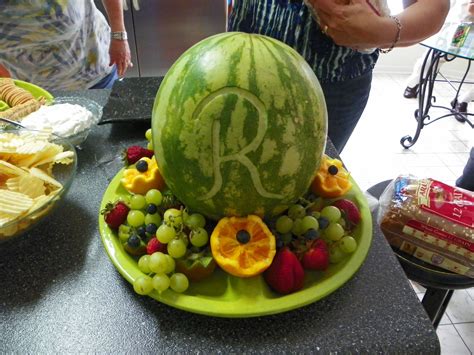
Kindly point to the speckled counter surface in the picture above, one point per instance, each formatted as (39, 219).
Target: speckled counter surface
(60, 292)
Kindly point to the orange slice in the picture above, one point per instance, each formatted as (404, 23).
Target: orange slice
(332, 179)
(243, 246)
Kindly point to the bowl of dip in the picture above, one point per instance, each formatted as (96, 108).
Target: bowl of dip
(68, 116)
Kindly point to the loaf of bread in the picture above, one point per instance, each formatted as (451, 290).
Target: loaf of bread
(430, 220)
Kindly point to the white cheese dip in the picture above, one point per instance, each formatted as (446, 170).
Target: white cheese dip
(65, 119)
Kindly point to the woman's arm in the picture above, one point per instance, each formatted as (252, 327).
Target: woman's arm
(119, 50)
(357, 26)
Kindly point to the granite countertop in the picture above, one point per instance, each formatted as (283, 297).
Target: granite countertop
(61, 293)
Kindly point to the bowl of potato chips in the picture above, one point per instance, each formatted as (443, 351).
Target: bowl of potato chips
(36, 170)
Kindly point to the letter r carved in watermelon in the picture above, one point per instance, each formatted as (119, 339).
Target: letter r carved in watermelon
(239, 126)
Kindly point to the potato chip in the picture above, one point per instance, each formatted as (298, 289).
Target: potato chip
(45, 177)
(13, 184)
(31, 186)
(10, 169)
(14, 203)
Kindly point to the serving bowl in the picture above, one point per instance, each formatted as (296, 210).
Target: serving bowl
(92, 106)
(29, 174)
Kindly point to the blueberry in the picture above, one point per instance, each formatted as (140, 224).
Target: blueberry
(333, 170)
(279, 243)
(142, 166)
(323, 222)
(151, 208)
(311, 234)
(243, 236)
(271, 223)
(133, 241)
(151, 228)
(141, 231)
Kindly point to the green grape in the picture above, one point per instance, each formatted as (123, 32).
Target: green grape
(143, 285)
(165, 233)
(171, 264)
(332, 213)
(309, 222)
(199, 237)
(195, 220)
(179, 282)
(143, 264)
(161, 282)
(297, 228)
(316, 214)
(334, 231)
(135, 218)
(284, 224)
(124, 233)
(335, 254)
(158, 263)
(148, 134)
(173, 217)
(149, 145)
(296, 211)
(154, 218)
(154, 196)
(184, 237)
(137, 202)
(286, 238)
(348, 244)
(176, 248)
(342, 222)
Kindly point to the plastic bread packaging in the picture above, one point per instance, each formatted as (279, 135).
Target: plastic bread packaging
(430, 220)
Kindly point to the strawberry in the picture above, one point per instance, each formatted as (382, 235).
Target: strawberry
(155, 245)
(285, 274)
(316, 257)
(350, 210)
(115, 214)
(134, 153)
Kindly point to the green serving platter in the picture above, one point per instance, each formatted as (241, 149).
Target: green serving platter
(35, 90)
(223, 295)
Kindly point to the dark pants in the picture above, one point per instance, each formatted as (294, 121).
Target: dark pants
(466, 181)
(108, 81)
(345, 101)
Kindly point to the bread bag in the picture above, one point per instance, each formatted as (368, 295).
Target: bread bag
(430, 220)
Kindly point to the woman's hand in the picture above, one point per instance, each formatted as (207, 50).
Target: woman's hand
(354, 25)
(119, 52)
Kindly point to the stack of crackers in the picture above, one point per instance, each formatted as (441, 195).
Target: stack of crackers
(20, 101)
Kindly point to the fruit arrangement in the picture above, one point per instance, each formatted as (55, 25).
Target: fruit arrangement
(174, 246)
(245, 200)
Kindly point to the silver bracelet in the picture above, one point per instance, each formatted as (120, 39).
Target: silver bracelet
(120, 35)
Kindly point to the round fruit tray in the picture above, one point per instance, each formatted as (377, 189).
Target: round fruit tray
(223, 295)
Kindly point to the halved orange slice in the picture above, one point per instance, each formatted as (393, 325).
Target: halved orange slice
(243, 246)
(332, 179)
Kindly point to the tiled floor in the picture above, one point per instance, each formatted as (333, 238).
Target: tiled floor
(374, 154)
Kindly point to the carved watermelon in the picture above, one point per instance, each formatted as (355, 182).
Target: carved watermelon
(239, 126)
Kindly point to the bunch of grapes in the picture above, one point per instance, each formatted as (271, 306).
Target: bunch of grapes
(159, 275)
(178, 231)
(310, 220)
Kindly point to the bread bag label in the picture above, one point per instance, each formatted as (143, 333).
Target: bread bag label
(434, 258)
(432, 235)
(454, 204)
